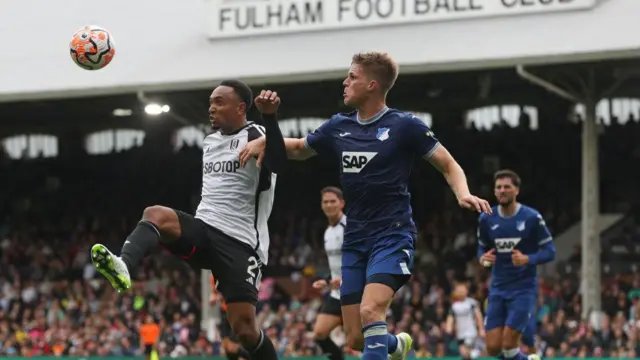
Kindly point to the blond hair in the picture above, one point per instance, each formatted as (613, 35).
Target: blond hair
(378, 65)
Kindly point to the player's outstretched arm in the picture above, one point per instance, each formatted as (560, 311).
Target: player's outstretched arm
(442, 160)
(295, 150)
(319, 141)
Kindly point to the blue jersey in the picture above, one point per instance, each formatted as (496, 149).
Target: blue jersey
(375, 159)
(525, 231)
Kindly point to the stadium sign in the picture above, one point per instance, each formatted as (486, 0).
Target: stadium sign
(235, 18)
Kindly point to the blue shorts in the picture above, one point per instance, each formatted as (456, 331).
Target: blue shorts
(387, 260)
(529, 334)
(513, 309)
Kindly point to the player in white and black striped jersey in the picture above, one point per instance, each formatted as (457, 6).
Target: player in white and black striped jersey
(228, 235)
(330, 316)
(465, 321)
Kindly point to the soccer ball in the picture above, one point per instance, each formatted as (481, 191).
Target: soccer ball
(92, 47)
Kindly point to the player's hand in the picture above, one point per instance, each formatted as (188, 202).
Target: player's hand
(518, 258)
(267, 102)
(488, 258)
(319, 284)
(471, 202)
(482, 334)
(336, 283)
(254, 148)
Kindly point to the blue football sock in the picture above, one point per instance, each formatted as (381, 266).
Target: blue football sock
(392, 343)
(376, 340)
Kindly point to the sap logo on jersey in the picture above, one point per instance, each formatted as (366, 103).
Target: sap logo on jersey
(506, 245)
(355, 161)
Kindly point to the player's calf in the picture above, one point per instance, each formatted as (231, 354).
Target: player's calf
(242, 317)
(373, 311)
(234, 351)
(321, 334)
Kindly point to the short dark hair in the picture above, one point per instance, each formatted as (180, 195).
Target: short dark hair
(507, 174)
(241, 89)
(333, 190)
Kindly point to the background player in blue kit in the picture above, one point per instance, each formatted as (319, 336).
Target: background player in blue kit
(375, 147)
(514, 238)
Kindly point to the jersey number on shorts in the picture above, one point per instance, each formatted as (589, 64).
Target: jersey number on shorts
(255, 274)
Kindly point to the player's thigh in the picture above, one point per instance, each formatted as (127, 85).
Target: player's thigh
(496, 314)
(391, 260)
(226, 333)
(354, 273)
(329, 318)
(191, 242)
(237, 269)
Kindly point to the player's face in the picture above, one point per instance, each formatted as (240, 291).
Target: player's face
(357, 86)
(505, 191)
(460, 292)
(225, 107)
(331, 204)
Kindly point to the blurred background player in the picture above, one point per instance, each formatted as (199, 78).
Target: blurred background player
(149, 336)
(465, 321)
(231, 347)
(376, 147)
(228, 234)
(330, 316)
(514, 239)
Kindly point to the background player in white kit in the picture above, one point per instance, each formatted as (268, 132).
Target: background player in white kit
(465, 321)
(229, 233)
(330, 316)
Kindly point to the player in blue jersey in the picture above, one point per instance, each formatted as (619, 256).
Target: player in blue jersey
(375, 147)
(514, 239)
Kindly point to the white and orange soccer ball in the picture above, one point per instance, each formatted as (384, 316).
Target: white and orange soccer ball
(92, 47)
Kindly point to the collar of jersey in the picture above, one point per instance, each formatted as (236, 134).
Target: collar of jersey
(237, 131)
(518, 206)
(372, 119)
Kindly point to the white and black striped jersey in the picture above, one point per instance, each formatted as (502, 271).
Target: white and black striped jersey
(236, 200)
(464, 314)
(333, 238)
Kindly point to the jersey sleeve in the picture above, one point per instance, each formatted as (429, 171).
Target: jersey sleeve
(320, 140)
(542, 233)
(483, 239)
(419, 137)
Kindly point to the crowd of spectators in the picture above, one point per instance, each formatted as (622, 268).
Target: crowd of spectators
(53, 303)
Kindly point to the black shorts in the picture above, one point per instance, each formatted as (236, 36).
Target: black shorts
(331, 306)
(148, 349)
(236, 266)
